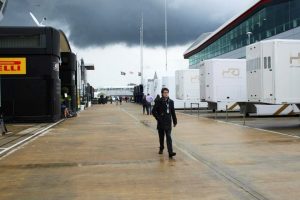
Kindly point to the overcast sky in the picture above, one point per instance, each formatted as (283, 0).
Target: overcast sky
(106, 32)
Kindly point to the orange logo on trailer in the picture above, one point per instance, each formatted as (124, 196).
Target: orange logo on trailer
(11, 66)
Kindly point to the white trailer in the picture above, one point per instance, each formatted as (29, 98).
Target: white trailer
(148, 86)
(187, 84)
(202, 81)
(169, 82)
(157, 87)
(223, 83)
(157, 84)
(273, 71)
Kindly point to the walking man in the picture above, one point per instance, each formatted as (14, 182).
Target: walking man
(157, 98)
(144, 103)
(164, 113)
(149, 100)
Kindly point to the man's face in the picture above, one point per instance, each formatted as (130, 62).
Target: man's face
(165, 94)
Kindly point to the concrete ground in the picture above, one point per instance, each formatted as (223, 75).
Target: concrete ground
(289, 125)
(110, 152)
(18, 133)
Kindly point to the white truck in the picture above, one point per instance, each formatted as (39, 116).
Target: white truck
(273, 71)
(157, 87)
(223, 83)
(169, 82)
(148, 86)
(187, 84)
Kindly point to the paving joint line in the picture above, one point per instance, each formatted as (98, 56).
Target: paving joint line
(26, 140)
(244, 126)
(225, 175)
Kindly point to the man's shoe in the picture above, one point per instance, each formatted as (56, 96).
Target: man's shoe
(161, 152)
(172, 154)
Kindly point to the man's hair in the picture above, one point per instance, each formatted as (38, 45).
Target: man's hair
(164, 89)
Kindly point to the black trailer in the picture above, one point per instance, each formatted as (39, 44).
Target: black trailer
(68, 76)
(29, 70)
(138, 93)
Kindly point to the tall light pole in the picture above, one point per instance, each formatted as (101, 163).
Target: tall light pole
(166, 33)
(249, 37)
(142, 47)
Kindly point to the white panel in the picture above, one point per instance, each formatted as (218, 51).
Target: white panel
(224, 80)
(202, 81)
(280, 66)
(187, 84)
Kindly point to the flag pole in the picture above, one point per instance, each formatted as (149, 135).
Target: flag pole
(166, 33)
(142, 47)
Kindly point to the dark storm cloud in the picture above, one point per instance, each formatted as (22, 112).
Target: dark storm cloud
(104, 22)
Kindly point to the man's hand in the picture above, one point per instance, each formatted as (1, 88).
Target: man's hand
(175, 125)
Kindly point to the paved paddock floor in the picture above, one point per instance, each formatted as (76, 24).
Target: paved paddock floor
(289, 125)
(110, 152)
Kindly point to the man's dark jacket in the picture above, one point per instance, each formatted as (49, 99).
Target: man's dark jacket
(144, 102)
(164, 119)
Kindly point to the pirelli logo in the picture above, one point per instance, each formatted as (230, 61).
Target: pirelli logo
(12, 66)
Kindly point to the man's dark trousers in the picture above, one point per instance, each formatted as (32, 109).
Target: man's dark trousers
(162, 133)
(148, 108)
